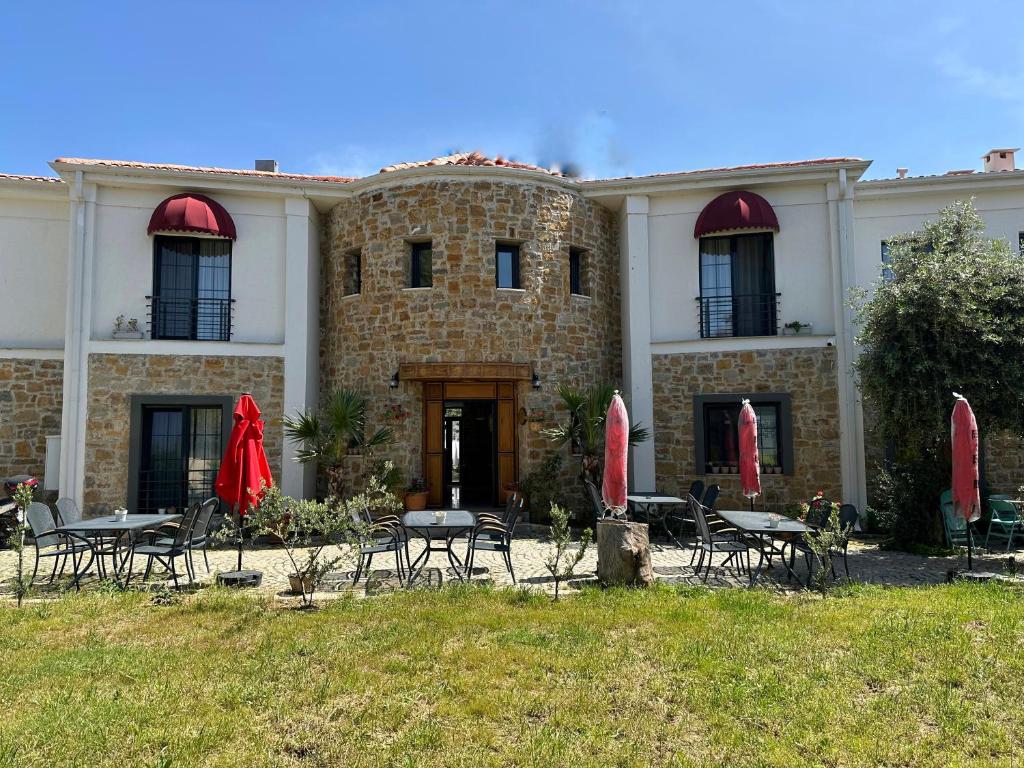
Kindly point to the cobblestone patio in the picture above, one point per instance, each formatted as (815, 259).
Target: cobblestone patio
(671, 564)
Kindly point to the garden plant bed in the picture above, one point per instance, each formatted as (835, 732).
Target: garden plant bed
(468, 676)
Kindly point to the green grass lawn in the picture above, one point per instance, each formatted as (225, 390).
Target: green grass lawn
(470, 677)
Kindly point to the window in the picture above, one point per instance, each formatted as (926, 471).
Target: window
(353, 272)
(717, 419)
(1020, 243)
(737, 286)
(176, 447)
(191, 288)
(887, 274)
(577, 275)
(506, 259)
(421, 267)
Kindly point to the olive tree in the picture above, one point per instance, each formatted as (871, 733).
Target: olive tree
(949, 317)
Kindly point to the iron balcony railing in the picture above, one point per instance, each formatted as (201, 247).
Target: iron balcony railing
(191, 319)
(751, 314)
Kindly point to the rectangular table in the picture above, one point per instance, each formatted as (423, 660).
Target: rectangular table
(757, 526)
(95, 529)
(655, 507)
(424, 524)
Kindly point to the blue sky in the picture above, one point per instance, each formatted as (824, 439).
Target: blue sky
(614, 87)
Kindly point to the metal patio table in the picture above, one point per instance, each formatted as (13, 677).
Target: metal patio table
(424, 524)
(756, 526)
(655, 508)
(122, 531)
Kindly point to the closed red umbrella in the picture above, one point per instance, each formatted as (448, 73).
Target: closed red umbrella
(616, 448)
(750, 466)
(964, 438)
(244, 468)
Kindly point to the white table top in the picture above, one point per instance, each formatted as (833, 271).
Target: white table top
(653, 498)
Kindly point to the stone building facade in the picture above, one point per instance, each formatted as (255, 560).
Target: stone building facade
(30, 402)
(807, 376)
(464, 318)
(114, 379)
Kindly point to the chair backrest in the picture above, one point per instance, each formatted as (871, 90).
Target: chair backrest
(696, 489)
(184, 532)
(595, 498)
(955, 524)
(1002, 510)
(697, 511)
(711, 496)
(68, 511)
(512, 511)
(202, 523)
(848, 517)
(40, 519)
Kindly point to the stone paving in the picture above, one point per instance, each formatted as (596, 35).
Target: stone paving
(671, 565)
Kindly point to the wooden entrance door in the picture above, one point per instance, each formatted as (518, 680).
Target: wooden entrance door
(503, 395)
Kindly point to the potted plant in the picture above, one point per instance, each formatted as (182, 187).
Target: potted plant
(796, 328)
(416, 495)
(126, 329)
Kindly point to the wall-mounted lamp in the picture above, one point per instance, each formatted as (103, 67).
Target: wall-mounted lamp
(535, 382)
(394, 380)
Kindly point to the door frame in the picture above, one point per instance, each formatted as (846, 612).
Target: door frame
(138, 402)
(505, 394)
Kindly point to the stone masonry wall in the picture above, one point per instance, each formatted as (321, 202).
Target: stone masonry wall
(31, 392)
(807, 375)
(113, 379)
(464, 317)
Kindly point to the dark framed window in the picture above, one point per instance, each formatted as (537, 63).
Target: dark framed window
(1020, 243)
(506, 265)
(176, 445)
(717, 426)
(737, 286)
(887, 274)
(191, 288)
(421, 265)
(577, 272)
(353, 272)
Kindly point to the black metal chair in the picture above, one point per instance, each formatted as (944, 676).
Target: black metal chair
(200, 533)
(595, 499)
(385, 534)
(56, 544)
(165, 550)
(710, 543)
(491, 535)
(848, 518)
(710, 496)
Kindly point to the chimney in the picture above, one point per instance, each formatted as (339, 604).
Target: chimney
(902, 172)
(999, 160)
(266, 165)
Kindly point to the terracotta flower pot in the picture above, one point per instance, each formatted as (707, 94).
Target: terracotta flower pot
(416, 500)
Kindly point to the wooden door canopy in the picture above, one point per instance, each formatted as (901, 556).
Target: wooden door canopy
(457, 371)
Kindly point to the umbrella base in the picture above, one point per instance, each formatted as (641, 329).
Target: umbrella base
(240, 579)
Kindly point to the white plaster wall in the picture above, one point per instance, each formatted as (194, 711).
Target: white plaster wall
(879, 218)
(124, 261)
(33, 267)
(803, 272)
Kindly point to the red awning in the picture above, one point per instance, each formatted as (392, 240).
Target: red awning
(735, 210)
(190, 212)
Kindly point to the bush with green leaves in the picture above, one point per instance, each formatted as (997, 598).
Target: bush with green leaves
(23, 496)
(824, 543)
(951, 318)
(543, 487)
(564, 556)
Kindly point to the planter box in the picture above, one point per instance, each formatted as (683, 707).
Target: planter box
(806, 329)
(129, 335)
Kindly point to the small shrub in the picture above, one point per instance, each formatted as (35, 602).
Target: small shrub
(562, 561)
(543, 487)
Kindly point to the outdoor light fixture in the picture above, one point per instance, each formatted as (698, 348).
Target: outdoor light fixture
(535, 381)
(394, 380)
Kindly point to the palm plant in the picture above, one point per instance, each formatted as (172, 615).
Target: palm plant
(584, 430)
(327, 438)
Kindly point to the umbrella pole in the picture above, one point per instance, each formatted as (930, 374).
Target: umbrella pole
(240, 518)
(970, 538)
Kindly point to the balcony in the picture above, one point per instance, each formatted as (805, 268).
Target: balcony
(190, 319)
(752, 314)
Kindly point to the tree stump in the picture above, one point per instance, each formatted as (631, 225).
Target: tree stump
(623, 554)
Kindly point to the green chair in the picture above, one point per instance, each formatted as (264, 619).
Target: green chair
(958, 532)
(1005, 522)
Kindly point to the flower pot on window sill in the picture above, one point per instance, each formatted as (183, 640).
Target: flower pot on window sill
(804, 329)
(132, 335)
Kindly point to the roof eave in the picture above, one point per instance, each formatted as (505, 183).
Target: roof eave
(886, 187)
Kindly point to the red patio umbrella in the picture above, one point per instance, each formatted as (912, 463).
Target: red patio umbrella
(616, 448)
(750, 466)
(964, 438)
(244, 468)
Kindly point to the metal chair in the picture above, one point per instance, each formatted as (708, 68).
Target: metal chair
(848, 517)
(68, 511)
(1004, 522)
(958, 531)
(172, 547)
(595, 499)
(56, 544)
(199, 538)
(710, 543)
(385, 534)
(490, 535)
